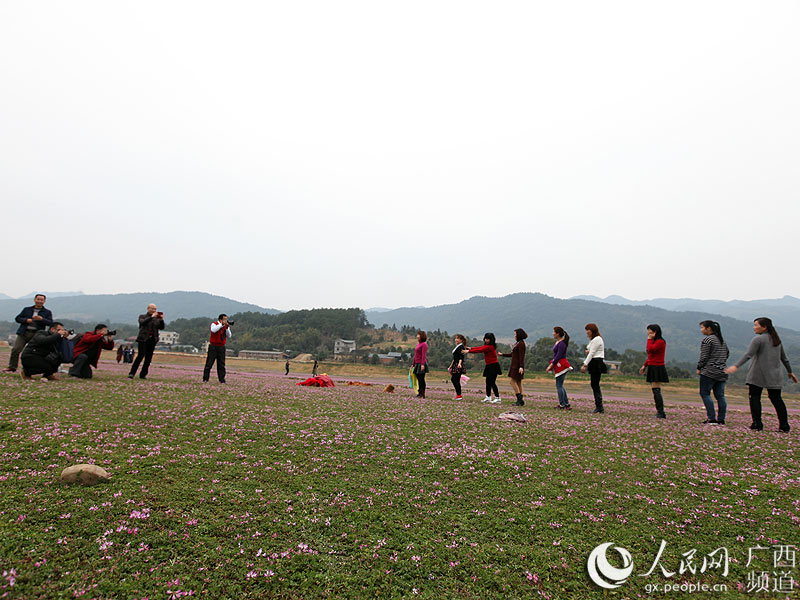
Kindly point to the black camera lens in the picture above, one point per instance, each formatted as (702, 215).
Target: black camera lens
(112, 332)
(230, 323)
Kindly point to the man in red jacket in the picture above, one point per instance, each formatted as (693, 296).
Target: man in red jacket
(87, 351)
(220, 332)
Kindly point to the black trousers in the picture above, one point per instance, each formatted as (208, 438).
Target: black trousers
(215, 353)
(81, 367)
(421, 380)
(35, 365)
(491, 385)
(22, 339)
(145, 352)
(777, 402)
(455, 378)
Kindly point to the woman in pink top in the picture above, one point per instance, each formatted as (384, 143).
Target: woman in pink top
(420, 364)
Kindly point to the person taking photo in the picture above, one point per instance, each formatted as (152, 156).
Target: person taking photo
(88, 348)
(31, 319)
(42, 355)
(149, 324)
(220, 332)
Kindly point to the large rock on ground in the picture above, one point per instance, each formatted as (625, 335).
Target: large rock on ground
(84, 474)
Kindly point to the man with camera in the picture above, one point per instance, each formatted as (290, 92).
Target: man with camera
(149, 324)
(220, 332)
(88, 348)
(31, 319)
(42, 355)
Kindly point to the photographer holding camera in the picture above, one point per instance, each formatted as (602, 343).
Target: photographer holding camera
(42, 354)
(31, 320)
(88, 348)
(220, 332)
(149, 324)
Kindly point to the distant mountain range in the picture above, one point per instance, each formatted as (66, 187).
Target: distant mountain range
(125, 308)
(30, 295)
(783, 311)
(622, 326)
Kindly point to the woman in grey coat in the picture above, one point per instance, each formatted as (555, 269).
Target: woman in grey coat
(766, 352)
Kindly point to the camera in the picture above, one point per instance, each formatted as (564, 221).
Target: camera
(112, 332)
(70, 332)
(230, 323)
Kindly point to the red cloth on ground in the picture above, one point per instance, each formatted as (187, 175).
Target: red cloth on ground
(318, 381)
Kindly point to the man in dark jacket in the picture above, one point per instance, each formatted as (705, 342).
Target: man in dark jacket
(42, 354)
(149, 324)
(87, 351)
(31, 319)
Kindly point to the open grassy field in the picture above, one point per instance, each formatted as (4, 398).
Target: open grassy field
(263, 489)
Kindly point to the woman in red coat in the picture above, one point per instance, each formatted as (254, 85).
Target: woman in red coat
(654, 366)
(492, 368)
(517, 370)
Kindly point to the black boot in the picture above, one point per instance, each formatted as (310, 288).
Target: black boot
(520, 401)
(598, 404)
(659, 399)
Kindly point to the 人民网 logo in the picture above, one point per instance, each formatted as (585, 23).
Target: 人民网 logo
(603, 573)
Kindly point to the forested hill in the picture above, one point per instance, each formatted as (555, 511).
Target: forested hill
(126, 308)
(622, 327)
(311, 331)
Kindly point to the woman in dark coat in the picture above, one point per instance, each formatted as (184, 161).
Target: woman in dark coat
(457, 368)
(517, 370)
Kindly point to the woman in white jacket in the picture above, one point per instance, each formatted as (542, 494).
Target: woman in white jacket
(594, 363)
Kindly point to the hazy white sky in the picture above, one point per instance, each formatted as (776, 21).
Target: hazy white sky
(300, 154)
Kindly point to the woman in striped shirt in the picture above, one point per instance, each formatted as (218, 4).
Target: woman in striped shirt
(711, 368)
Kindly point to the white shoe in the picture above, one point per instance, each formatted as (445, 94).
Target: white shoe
(495, 401)
(487, 399)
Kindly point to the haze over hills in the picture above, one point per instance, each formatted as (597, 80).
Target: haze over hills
(125, 308)
(30, 295)
(622, 326)
(783, 311)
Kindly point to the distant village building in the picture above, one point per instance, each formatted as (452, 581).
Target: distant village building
(168, 338)
(185, 348)
(263, 354)
(613, 365)
(342, 349)
(387, 359)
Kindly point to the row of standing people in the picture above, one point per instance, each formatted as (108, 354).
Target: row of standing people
(765, 352)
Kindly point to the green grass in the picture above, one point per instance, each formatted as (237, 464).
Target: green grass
(264, 489)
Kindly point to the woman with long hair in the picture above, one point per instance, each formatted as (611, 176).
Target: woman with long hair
(420, 364)
(594, 363)
(711, 368)
(492, 368)
(560, 366)
(655, 367)
(457, 368)
(766, 352)
(517, 370)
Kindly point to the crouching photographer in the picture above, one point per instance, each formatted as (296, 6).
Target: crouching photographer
(88, 348)
(42, 354)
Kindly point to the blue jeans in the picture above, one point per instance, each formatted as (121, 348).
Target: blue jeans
(562, 393)
(707, 385)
